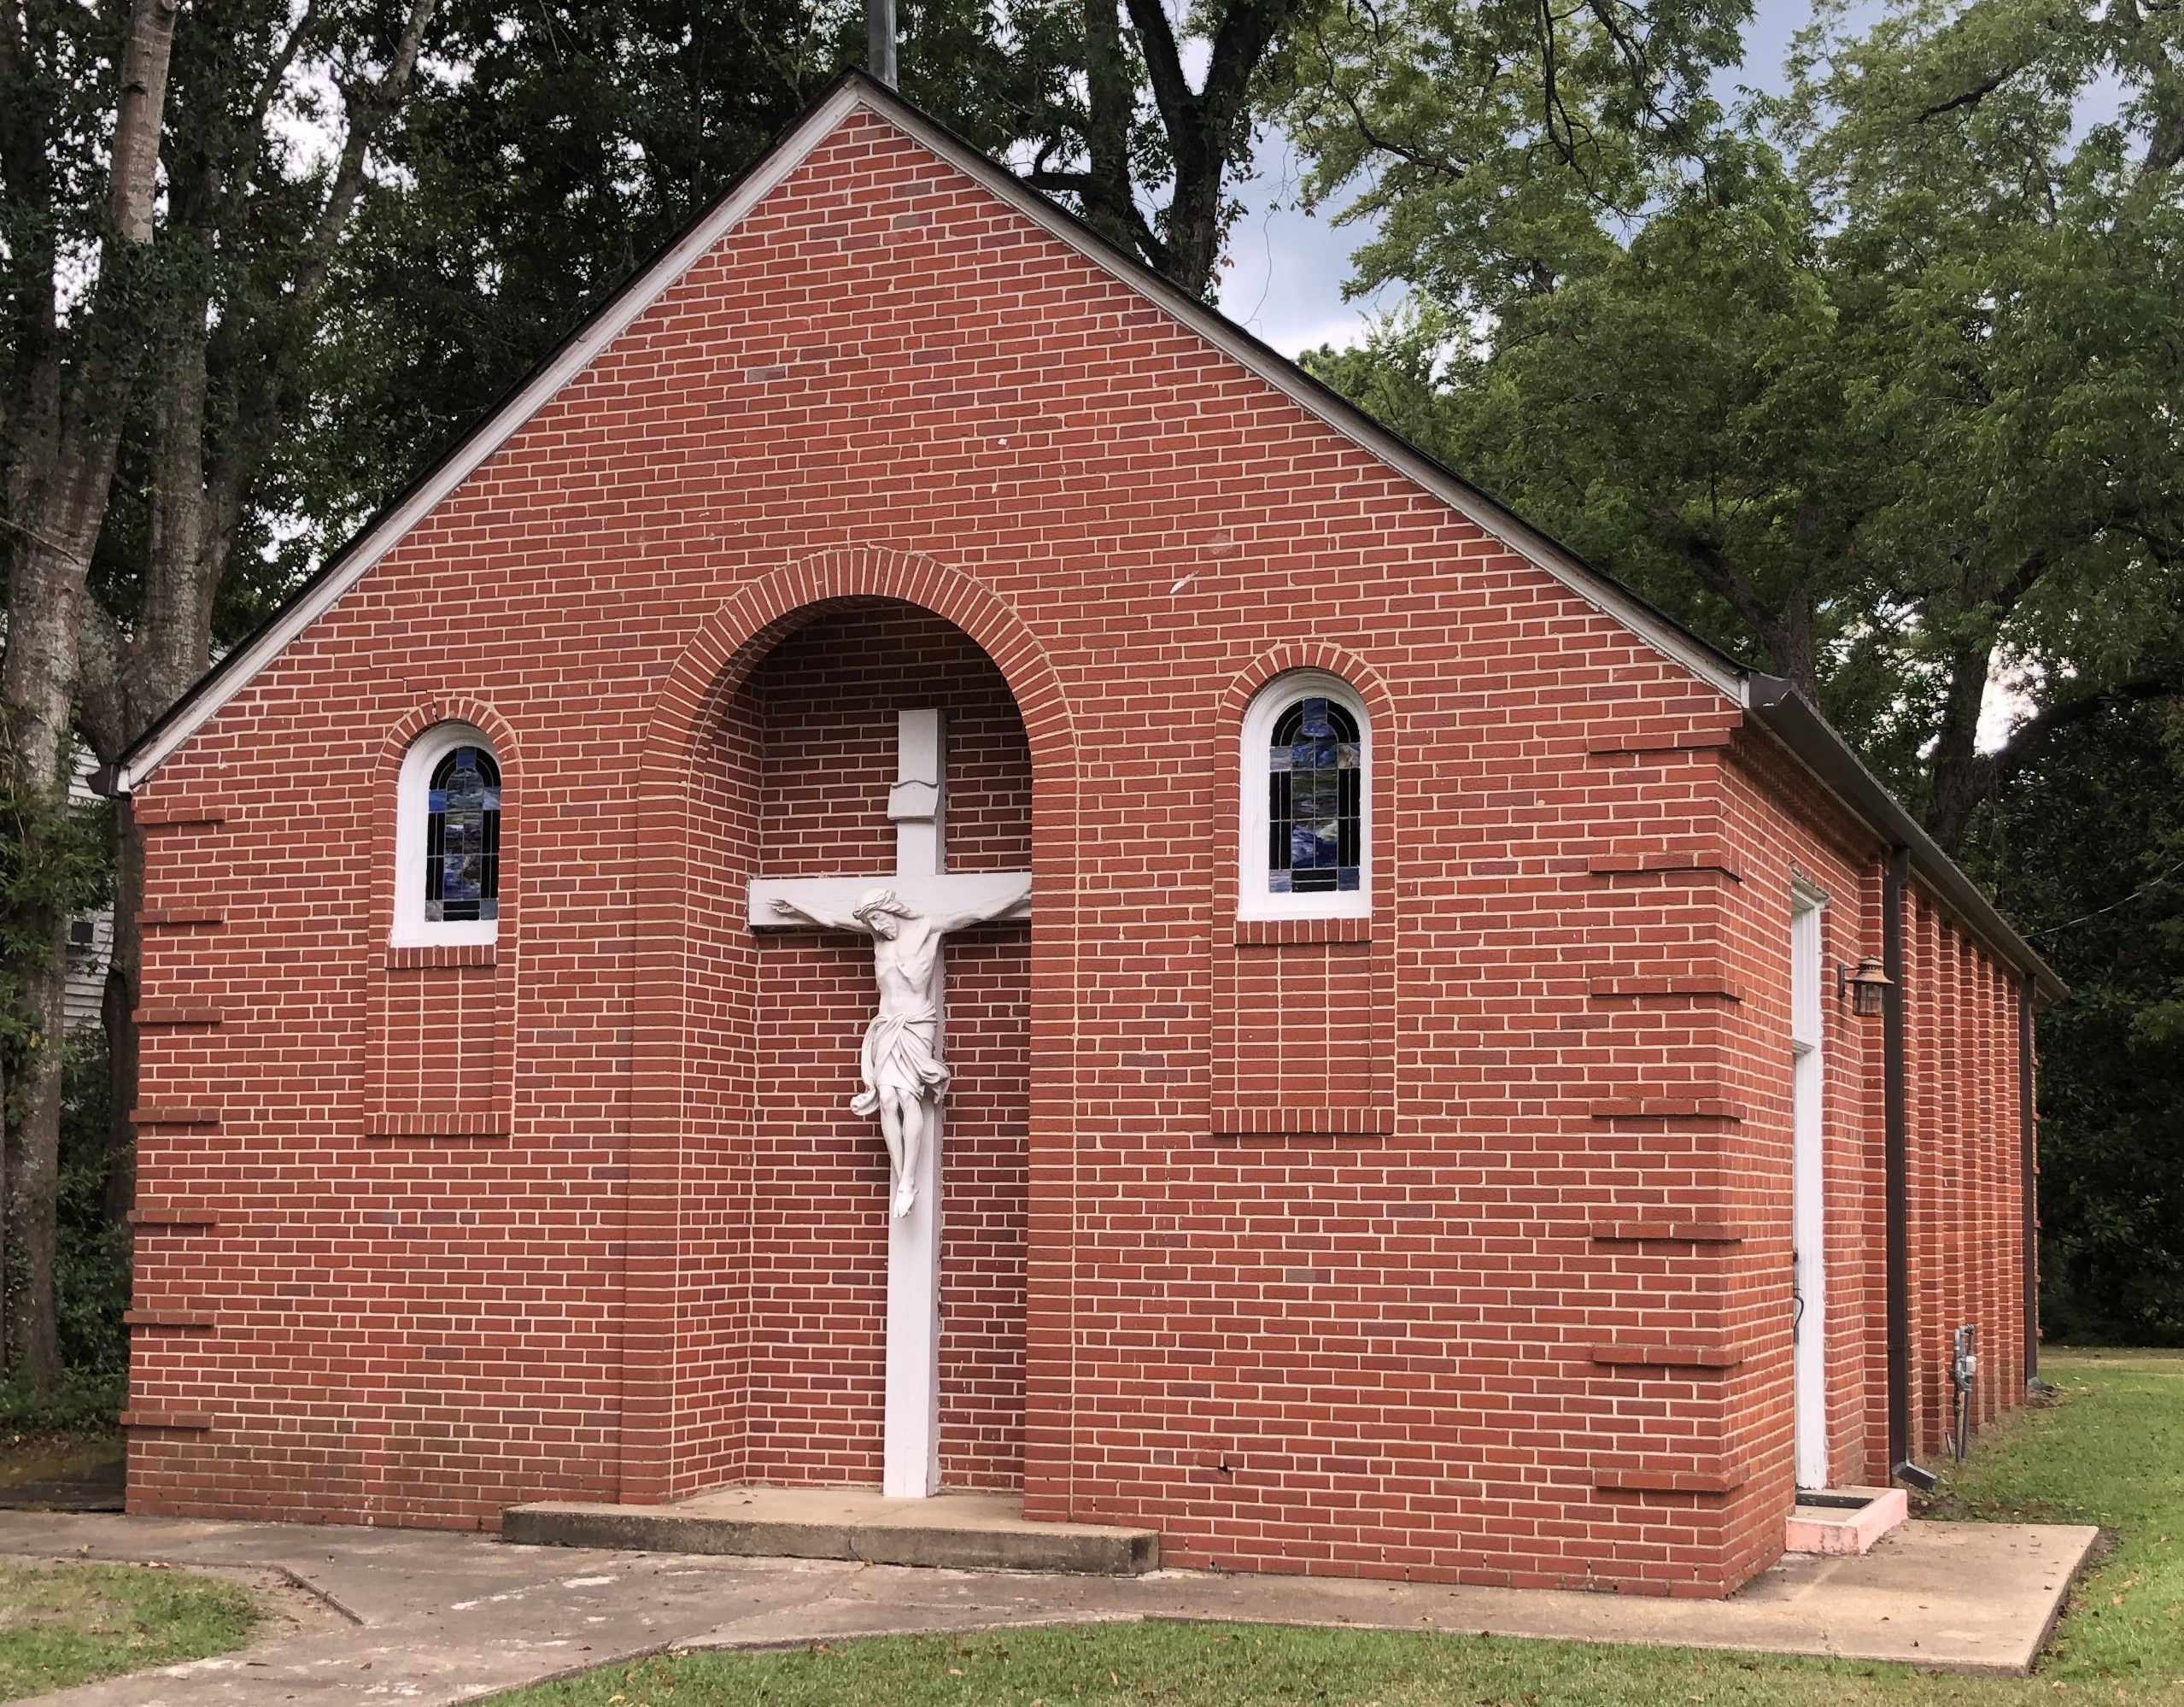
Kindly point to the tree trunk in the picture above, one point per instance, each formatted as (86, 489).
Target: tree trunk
(37, 685)
(1961, 771)
(62, 411)
(33, 1182)
(1109, 96)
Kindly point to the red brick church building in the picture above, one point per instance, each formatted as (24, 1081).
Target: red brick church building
(1425, 1126)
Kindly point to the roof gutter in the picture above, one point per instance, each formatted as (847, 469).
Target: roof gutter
(1792, 719)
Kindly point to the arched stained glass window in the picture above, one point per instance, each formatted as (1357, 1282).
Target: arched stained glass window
(1316, 795)
(462, 838)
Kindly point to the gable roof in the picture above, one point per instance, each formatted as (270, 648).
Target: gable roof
(1773, 704)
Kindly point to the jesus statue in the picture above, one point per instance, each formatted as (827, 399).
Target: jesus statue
(901, 1061)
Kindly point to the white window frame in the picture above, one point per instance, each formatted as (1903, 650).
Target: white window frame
(412, 800)
(1254, 900)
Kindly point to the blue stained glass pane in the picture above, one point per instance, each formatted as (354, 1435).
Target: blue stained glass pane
(463, 837)
(459, 881)
(1309, 850)
(1315, 800)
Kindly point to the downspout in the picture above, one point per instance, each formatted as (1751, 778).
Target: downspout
(2028, 1183)
(1896, 1118)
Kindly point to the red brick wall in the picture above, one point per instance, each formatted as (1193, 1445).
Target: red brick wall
(1494, 1289)
(1967, 1234)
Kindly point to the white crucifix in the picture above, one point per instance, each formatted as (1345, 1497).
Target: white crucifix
(907, 916)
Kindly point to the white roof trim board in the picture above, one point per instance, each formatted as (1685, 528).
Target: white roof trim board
(387, 530)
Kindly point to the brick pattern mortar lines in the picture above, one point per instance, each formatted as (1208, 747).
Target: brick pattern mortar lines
(1364, 1351)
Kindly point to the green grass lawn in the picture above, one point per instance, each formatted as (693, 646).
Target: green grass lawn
(2109, 1452)
(66, 1624)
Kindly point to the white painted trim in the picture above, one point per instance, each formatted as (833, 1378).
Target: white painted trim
(909, 1444)
(1806, 981)
(412, 791)
(824, 119)
(1253, 898)
(1808, 1189)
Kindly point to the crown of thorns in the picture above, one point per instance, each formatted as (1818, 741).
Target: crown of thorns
(879, 900)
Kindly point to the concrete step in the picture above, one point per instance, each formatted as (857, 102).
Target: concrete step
(963, 1531)
(1843, 1520)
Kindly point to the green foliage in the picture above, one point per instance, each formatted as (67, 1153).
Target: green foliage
(1880, 384)
(2112, 1453)
(2087, 851)
(546, 153)
(1874, 382)
(53, 863)
(91, 1266)
(67, 1624)
(1498, 146)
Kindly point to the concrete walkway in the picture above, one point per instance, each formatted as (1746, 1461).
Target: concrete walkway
(416, 1616)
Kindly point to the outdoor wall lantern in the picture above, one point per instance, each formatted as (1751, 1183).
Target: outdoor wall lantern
(1868, 987)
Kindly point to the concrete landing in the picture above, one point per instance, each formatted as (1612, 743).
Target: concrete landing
(958, 1531)
(432, 1619)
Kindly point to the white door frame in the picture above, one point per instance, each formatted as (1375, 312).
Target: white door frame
(1808, 1189)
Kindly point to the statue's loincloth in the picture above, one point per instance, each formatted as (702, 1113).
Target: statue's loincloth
(898, 1055)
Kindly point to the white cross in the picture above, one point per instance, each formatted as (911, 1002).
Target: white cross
(917, 804)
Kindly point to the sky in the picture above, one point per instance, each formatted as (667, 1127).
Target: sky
(1286, 266)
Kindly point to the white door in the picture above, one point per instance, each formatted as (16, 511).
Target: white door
(1808, 1214)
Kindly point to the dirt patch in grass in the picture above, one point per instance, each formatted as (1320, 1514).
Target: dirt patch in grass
(51, 1471)
(65, 1624)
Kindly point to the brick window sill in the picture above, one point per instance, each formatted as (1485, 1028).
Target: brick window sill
(431, 956)
(1254, 932)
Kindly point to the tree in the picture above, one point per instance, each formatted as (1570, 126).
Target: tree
(76, 201)
(2087, 850)
(1881, 384)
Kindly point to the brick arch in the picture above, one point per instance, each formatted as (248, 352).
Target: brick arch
(1382, 758)
(729, 645)
(386, 775)
(719, 658)
(1311, 654)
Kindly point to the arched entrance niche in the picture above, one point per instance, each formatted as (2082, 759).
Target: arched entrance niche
(755, 1262)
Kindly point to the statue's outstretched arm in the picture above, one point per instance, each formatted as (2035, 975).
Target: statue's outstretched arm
(1017, 907)
(813, 912)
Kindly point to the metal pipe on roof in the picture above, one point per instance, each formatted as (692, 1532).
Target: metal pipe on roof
(880, 40)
